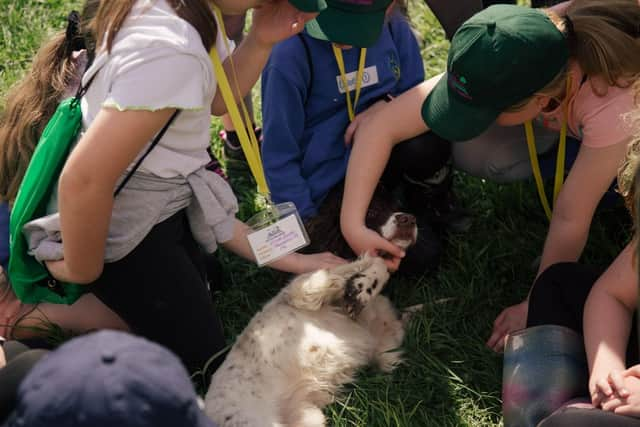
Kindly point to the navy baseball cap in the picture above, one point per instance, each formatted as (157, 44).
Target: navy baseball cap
(108, 379)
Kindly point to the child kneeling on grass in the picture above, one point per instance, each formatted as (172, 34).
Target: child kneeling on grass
(569, 68)
(306, 107)
(603, 309)
(137, 253)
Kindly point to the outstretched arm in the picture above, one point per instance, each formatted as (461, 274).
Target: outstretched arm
(293, 263)
(374, 134)
(273, 22)
(591, 175)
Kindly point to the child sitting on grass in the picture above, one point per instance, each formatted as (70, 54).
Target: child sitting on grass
(306, 108)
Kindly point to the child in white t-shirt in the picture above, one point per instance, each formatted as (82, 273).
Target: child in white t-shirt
(141, 252)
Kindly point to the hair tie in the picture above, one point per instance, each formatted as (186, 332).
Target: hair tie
(73, 40)
(73, 25)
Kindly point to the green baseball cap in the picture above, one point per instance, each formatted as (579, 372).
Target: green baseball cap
(309, 5)
(499, 57)
(352, 22)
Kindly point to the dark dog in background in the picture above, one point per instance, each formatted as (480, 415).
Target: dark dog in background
(384, 216)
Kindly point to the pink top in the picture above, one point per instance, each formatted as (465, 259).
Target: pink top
(596, 110)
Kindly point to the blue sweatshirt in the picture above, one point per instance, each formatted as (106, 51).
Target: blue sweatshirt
(305, 115)
(4, 234)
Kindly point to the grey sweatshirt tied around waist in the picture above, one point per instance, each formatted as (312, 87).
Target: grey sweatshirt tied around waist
(145, 201)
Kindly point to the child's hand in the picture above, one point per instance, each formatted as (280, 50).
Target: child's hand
(313, 262)
(604, 389)
(277, 20)
(625, 392)
(364, 240)
(362, 117)
(511, 319)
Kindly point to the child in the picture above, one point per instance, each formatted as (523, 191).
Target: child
(153, 279)
(507, 65)
(305, 108)
(566, 293)
(106, 379)
(54, 75)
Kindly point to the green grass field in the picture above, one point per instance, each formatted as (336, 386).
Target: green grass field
(450, 378)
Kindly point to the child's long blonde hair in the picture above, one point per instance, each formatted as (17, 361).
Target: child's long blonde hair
(603, 37)
(33, 100)
(629, 171)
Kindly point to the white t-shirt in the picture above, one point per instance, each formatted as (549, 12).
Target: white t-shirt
(158, 61)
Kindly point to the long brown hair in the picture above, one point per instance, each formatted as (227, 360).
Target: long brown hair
(198, 13)
(33, 100)
(604, 38)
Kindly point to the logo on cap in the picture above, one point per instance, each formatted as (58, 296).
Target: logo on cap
(458, 85)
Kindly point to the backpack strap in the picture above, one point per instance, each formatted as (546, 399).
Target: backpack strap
(146, 153)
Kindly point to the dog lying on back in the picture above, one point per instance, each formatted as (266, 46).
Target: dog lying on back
(309, 340)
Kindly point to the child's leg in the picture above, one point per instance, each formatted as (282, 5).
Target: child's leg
(575, 417)
(159, 289)
(500, 154)
(558, 297)
(559, 294)
(30, 320)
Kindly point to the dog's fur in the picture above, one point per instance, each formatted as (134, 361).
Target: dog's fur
(309, 340)
(383, 215)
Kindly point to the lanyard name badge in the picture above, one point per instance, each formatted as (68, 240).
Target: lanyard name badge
(278, 229)
(337, 52)
(560, 159)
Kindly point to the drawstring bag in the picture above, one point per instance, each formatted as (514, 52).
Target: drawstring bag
(31, 281)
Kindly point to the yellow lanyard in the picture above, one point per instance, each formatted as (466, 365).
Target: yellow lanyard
(351, 108)
(560, 160)
(246, 133)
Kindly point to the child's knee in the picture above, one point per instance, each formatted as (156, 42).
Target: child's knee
(548, 285)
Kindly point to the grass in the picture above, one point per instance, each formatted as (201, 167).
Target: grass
(449, 378)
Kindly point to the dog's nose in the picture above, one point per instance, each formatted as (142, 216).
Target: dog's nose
(406, 219)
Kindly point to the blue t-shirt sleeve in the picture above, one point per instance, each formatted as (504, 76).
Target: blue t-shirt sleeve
(4, 234)
(411, 65)
(283, 121)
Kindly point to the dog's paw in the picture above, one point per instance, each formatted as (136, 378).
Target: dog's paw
(354, 267)
(364, 285)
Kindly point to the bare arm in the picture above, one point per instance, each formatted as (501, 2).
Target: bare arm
(607, 317)
(375, 134)
(273, 22)
(87, 183)
(293, 263)
(591, 175)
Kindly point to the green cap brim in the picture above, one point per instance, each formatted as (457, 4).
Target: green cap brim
(309, 5)
(453, 119)
(359, 30)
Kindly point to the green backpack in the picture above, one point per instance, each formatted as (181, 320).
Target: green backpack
(30, 279)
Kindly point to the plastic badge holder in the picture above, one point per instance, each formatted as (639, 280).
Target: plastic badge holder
(278, 231)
